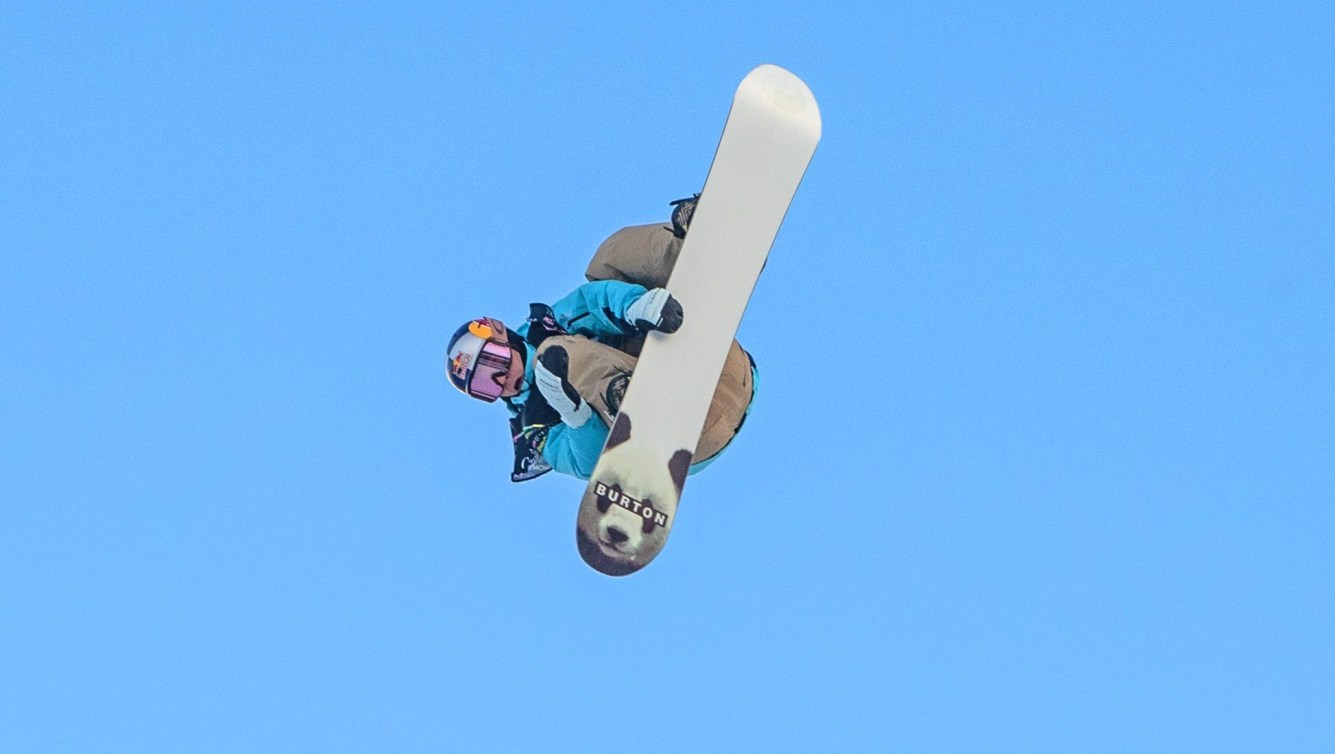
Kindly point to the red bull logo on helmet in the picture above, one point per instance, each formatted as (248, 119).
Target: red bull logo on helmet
(459, 366)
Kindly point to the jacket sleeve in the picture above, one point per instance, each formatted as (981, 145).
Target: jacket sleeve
(599, 308)
(575, 450)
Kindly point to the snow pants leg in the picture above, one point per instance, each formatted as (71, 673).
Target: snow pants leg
(641, 254)
(596, 370)
(599, 373)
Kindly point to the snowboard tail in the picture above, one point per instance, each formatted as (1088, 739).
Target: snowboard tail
(630, 503)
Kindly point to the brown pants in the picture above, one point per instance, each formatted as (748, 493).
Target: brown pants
(597, 369)
(641, 254)
(645, 255)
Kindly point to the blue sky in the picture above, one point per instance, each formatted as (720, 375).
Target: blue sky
(1075, 268)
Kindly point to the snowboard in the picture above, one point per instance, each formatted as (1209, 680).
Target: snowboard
(630, 504)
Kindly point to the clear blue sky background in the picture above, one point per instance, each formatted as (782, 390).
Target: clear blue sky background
(1073, 265)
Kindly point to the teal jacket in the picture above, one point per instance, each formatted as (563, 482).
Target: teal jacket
(596, 311)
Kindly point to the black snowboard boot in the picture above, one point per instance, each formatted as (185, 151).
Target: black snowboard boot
(616, 391)
(682, 212)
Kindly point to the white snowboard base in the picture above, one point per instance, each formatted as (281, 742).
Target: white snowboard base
(631, 502)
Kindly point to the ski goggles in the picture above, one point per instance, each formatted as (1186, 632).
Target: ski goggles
(484, 363)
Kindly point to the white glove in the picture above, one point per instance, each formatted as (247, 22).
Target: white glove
(550, 375)
(655, 310)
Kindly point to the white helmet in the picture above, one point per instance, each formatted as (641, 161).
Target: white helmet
(478, 358)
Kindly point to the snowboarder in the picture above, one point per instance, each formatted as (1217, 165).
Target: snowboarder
(563, 372)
